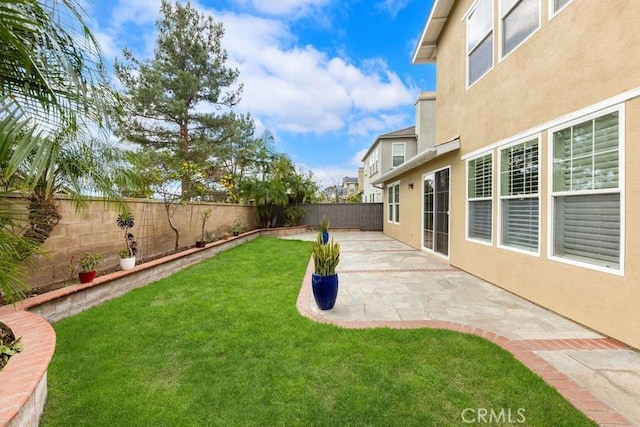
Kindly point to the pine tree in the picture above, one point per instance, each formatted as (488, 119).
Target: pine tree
(180, 101)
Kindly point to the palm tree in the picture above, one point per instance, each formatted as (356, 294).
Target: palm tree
(50, 78)
(79, 168)
(277, 194)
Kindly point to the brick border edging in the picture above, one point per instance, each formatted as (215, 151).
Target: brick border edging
(23, 393)
(24, 379)
(522, 350)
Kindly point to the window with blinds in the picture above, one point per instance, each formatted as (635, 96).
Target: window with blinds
(479, 196)
(519, 19)
(479, 40)
(586, 191)
(587, 228)
(519, 197)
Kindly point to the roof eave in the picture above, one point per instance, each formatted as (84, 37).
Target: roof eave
(426, 50)
(419, 159)
(387, 136)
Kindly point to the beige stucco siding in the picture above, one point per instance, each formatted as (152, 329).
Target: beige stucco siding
(606, 302)
(584, 54)
(574, 63)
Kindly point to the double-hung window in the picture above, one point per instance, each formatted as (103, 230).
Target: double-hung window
(480, 197)
(586, 195)
(479, 40)
(373, 162)
(393, 191)
(397, 153)
(518, 20)
(519, 196)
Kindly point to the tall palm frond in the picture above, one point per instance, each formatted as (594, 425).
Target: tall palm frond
(51, 77)
(51, 63)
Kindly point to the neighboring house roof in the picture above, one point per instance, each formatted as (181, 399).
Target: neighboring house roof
(409, 132)
(419, 159)
(427, 45)
(349, 180)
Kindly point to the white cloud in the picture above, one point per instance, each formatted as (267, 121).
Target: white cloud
(332, 175)
(287, 86)
(393, 7)
(288, 8)
(107, 44)
(357, 157)
(139, 12)
(299, 88)
(378, 124)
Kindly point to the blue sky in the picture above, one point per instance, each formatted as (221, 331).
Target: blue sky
(324, 76)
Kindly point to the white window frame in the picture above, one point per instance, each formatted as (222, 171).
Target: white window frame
(502, 198)
(467, 199)
(552, 12)
(491, 33)
(373, 162)
(501, 17)
(620, 190)
(404, 153)
(424, 248)
(393, 207)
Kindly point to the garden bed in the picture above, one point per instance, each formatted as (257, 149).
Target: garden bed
(24, 379)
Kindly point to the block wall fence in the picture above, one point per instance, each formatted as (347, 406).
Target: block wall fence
(94, 229)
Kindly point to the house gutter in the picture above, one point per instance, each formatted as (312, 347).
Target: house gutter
(418, 160)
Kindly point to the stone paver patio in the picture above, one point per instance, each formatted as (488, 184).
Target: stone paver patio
(384, 282)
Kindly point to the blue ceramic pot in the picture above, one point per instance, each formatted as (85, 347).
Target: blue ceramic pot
(325, 237)
(325, 290)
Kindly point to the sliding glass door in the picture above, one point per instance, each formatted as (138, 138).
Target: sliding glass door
(436, 212)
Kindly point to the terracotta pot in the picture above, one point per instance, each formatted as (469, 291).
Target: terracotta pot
(87, 276)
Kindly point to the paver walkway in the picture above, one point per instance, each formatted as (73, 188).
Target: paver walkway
(384, 282)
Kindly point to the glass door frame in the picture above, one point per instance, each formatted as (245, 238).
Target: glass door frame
(431, 175)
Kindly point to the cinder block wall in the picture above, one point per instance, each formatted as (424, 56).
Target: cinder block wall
(94, 229)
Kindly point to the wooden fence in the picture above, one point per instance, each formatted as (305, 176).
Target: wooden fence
(363, 216)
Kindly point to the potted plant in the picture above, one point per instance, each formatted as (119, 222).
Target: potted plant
(86, 266)
(128, 255)
(324, 229)
(204, 216)
(237, 227)
(324, 280)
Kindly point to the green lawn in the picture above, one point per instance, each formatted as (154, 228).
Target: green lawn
(221, 343)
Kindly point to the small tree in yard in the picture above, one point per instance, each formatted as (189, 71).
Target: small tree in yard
(161, 173)
(204, 216)
(126, 222)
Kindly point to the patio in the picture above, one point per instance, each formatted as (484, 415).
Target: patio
(386, 283)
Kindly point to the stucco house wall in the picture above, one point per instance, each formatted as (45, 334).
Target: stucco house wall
(579, 64)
